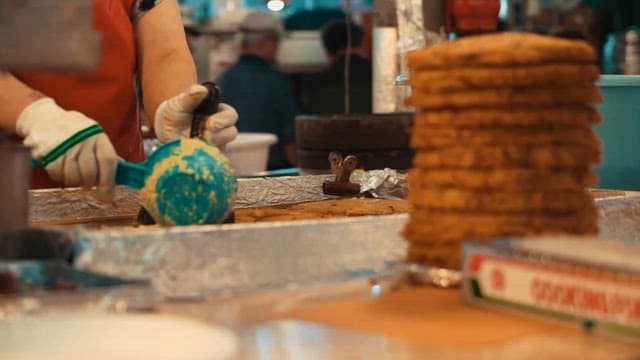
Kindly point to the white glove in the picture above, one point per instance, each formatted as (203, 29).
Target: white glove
(72, 148)
(173, 118)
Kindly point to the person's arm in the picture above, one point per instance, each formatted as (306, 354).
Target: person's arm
(169, 82)
(14, 97)
(166, 67)
(71, 147)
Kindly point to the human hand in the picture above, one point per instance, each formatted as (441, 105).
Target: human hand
(71, 147)
(173, 118)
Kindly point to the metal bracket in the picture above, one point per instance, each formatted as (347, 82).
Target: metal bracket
(342, 169)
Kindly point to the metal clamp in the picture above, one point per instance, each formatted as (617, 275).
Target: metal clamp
(342, 169)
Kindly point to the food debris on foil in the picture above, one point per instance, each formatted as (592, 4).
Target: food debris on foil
(382, 184)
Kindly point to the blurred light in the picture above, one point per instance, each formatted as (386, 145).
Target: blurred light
(275, 5)
(504, 10)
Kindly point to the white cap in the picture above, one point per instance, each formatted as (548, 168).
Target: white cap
(260, 21)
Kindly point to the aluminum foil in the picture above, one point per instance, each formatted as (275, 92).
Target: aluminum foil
(386, 183)
(619, 217)
(227, 259)
(69, 206)
(258, 192)
(75, 205)
(194, 262)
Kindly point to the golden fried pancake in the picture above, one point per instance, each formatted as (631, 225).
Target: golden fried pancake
(522, 76)
(511, 116)
(430, 227)
(508, 156)
(443, 136)
(506, 97)
(521, 179)
(506, 48)
(556, 202)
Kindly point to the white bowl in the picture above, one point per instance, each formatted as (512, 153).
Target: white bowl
(113, 336)
(249, 152)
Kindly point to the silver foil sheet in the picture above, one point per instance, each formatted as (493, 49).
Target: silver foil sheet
(258, 192)
(386, 183)
(75, 205)
(227, 259)
(619, 216)
(69, 206)
(208, 260)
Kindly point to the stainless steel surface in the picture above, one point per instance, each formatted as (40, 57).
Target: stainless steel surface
(48, 35)
(14, 186)
(200, 261)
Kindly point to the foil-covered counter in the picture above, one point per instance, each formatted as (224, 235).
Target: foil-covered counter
(202, 260)
(78, 206)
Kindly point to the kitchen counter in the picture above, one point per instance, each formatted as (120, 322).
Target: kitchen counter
(358, 320)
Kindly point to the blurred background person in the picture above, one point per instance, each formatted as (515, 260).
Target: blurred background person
(324, 92)
(261, 94)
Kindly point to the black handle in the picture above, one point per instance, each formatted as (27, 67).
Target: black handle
(207, 107)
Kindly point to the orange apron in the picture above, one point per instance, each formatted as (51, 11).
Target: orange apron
(106, 95)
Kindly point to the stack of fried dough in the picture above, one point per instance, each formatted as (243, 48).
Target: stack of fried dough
(503, 140)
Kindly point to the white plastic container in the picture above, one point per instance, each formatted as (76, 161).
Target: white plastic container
(249, 152)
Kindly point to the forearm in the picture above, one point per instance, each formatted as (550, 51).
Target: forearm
(14, 97)
(165, 64)
(164, 78)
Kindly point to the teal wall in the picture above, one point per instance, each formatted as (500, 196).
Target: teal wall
(620, 132)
